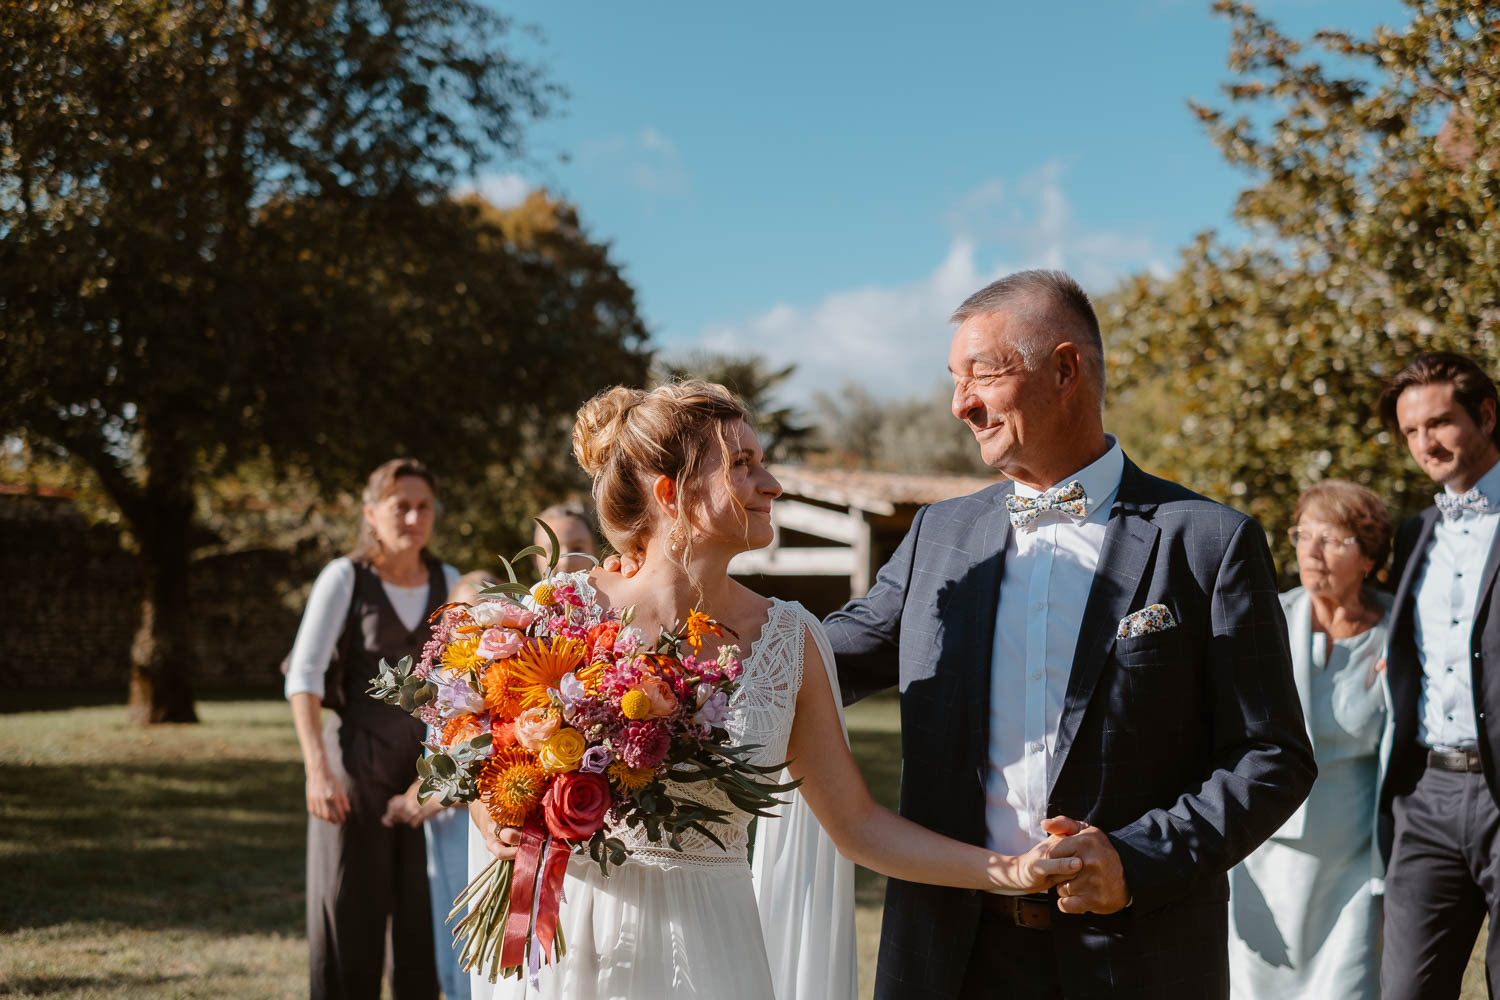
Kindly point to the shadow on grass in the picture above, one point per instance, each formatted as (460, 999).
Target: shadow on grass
(53, 699)
(87, 985)
(205, 844)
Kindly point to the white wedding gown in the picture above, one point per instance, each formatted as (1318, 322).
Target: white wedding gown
(699, 924)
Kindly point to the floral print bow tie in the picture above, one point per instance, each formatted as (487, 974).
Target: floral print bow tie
(1453, 506)
(1070, 500)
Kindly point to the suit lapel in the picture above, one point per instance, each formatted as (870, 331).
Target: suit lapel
(1129, 540)
(992, 532)
(1414, 561)
(1487, 580)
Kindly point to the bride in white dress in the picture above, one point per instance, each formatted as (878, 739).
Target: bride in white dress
(680, 486)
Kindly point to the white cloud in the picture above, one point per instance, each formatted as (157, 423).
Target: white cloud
(894, 339)
(646, 160)
(500, 190)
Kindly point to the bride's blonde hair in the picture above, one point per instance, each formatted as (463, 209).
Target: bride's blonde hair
(624, 438)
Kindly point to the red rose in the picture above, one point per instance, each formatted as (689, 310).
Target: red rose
(575, 804)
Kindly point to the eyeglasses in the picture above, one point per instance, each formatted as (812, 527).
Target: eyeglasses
(1327, 541)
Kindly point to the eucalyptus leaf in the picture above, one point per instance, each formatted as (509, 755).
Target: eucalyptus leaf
(510, 573)
(554, 547)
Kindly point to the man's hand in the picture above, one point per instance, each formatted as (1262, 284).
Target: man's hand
(503, 841)
(626, 566)
(325, 795)
(398, 810)
(1100, 886)
(1038, 870)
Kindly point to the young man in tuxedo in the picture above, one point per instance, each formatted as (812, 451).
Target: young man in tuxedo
(1443, 832)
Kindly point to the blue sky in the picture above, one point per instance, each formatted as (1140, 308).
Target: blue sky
(823, 182)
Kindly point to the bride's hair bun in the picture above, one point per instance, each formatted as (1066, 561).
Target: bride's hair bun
(624, 438)
(601, 421)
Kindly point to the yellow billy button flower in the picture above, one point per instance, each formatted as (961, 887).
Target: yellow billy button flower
(562, 751)
(635, 704)
(542, 594)
(631, 779)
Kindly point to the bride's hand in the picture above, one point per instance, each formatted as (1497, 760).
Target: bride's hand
(503, 841)
(1035, 871)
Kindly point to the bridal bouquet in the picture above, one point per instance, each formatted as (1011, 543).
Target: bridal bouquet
(559, 715)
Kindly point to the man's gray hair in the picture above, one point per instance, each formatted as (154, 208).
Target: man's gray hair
(1053, 309)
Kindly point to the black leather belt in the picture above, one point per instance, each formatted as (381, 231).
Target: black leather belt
(1463, 761)
(1031, 912)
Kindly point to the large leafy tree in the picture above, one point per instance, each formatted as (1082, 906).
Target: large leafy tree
(1254, 369)
(225, 238)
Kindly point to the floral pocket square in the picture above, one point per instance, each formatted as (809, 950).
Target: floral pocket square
(1155, 618)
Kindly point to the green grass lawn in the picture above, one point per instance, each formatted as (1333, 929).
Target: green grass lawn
(168, 862)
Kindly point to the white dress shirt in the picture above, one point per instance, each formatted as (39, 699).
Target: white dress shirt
(1447, 593)
(1049, 570)
(328, 609)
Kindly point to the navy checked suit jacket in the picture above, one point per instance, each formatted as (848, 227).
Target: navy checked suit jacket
(1404, 668)
(1187, 747)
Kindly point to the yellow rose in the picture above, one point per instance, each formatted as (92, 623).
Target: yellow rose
(562, 751)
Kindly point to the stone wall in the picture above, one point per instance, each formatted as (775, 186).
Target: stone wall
(70, 597)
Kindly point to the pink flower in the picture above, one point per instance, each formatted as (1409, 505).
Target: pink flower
(535, 725)
(505, 614)
(628, 643)
(499, 643)
(643, 744)
(663, 701)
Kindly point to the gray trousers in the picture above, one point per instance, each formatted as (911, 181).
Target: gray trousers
(1443, 879)
(368, 910)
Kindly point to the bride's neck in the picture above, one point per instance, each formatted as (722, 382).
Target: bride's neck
(663, 590)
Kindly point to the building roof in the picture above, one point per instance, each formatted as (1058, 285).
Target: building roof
(877, 492)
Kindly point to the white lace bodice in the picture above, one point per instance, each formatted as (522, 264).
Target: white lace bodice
(761, 713)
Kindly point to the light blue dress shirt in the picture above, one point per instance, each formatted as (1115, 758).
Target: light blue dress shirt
(1049, 570)
(1447, 593)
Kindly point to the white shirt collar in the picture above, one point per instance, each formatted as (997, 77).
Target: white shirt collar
(1488, 485)
(1100, 478)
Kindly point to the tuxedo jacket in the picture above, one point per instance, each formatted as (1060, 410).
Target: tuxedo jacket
(1186, 746)
(1413, 542)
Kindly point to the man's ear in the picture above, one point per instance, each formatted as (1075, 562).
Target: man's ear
(664, 491)
(1069, 367)
(1487, 416)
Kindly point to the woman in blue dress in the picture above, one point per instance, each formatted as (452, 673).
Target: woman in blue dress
(1305, 913)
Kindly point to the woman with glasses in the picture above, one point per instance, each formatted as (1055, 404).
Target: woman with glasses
(1304, 914)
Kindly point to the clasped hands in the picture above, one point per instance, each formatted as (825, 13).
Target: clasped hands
(1098, 886)
(406, 808)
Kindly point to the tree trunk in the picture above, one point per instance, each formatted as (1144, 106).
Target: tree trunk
(160, 658)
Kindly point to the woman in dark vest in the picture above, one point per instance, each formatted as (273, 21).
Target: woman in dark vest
(363, 877)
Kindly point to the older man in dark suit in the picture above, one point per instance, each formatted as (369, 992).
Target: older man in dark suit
(1443, 782)
(1085, 652)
